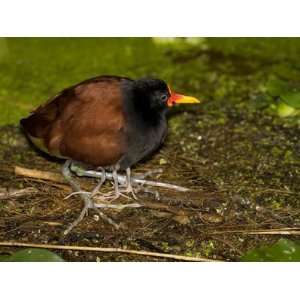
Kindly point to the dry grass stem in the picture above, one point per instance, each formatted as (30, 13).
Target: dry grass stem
(100, 249)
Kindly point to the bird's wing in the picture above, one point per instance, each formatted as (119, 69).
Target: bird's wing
(84, 122)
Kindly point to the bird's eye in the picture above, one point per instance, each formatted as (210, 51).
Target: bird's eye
(164, 98)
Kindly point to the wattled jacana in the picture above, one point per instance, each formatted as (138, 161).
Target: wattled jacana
(108, 121)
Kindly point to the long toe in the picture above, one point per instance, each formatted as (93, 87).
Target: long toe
(131, 191)
(77, 193)
(149, 174)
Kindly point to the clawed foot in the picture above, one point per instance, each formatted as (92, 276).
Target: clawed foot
(119, 190)
(125, 186)
(149, 174)
(129, 190)
(88, 201)
(89, 204)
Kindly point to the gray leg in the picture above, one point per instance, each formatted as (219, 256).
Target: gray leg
(88, 203)
(102, 180)
(78, 171)
(129, 187)
(116, 193)
(116, 182)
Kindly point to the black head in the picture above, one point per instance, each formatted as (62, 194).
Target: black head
(152, 94)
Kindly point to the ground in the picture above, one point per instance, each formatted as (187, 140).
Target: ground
(237, 154)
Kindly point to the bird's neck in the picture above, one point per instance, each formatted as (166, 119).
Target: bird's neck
(140, 111)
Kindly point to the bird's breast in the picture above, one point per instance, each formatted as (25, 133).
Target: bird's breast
(142, 140)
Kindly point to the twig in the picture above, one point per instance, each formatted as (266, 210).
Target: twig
(51, 176)
(5, 194)
(292, 232)
(101, 249)
(118, 206)
(33, 173)
(280, 231)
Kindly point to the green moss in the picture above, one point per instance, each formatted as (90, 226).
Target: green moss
(190, 243)
(33, 69)
(207, 247)
(165, 246)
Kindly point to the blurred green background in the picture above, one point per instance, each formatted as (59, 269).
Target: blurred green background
(251, 73)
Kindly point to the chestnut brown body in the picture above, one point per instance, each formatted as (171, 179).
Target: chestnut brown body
(100, 122)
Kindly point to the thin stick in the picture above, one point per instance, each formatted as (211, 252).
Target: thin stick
(275, 232)
(280, 231)
(51, 176)
(100, 249)
(118, 206)
(33, 173)
(17, 193)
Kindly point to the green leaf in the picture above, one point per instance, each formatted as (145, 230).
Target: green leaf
(32, 255)
(285, 110)
(276, 87)
(292, 99)
(288, 93)
(283, 250)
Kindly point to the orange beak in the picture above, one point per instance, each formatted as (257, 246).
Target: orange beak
(181, 99)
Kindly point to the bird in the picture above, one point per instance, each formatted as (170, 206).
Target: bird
(108, 122)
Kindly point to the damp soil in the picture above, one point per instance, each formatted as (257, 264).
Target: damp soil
(236, 188)
(238, 157)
